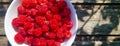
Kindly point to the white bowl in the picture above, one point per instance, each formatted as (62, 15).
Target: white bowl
(12, 13)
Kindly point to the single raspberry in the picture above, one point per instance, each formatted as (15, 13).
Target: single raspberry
(50, 42)
(22, 19)
(57, 17)
(36, 42)
(45, 28)
(19, 38)
(60, 34)
(28, 39)
(28, 25)
(28, 12)
(30, 31)
(43, 42)
(50, 35)
(34, 12)
(52, 1)
(21, 10)
(37, 32)
(42, 9)
(49, 15)
(15, 23)
(33, 3)
(61, 4)
(40, 20)
(55, 9)
(66, 20)
(70, 25)
(30, 19)
(26, 3)
(67, 34)
(22, 31)
(66, 12)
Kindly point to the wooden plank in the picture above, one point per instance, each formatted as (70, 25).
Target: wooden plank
(3, 41)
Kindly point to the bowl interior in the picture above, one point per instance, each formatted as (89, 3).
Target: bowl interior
(12, 13)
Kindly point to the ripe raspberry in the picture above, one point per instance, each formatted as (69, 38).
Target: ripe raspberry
(52, 1)
(49, 15)
(57, 17)
(50, 35)
(15, 23)
(36, 42)
(40, 20)
(22, 31)
(61, 4)
(21, 10)
(43, 42)
(45, 28)
(33, 3)
(70, 25)
(37, 32)
(22, 19)
(30, 19)
(28, 25)
(26, 3)
(29, 3)
(33, 12)
(42, 9)
(30, 31)
(66, 12)
(67, 34)
(19, 38)
(60, 34)
(28, 39)
(55, 9)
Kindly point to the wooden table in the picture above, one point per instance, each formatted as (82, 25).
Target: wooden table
(99, 23)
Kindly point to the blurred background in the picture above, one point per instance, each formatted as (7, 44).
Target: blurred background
(99, 22)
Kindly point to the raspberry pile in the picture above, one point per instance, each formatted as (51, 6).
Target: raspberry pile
(42, 22)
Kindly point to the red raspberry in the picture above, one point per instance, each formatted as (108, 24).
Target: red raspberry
(28, 25)
(60, 34)
(57, 17)
(42, 1)
(29, 19)
(15, 23)
(66, 12)
(22, 19)
(69, 25)
(60, 40)
(30, 31)
(28, 39)
(21, 10)
(34, 12)
(57, 44)
(50, 35)
(47, 23)
(65, 20)
(61, 4)
(67, 34)
(26, 3)
(42, 9)
(33, 3)
(40, 20)
(36, 42)
(19, 38)
(29, 3)
(22, 31)
(49, 15)
(50, 5)
(50, 42)
(45, 28)
(37, 32)
(43, 42)
(55, 9)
